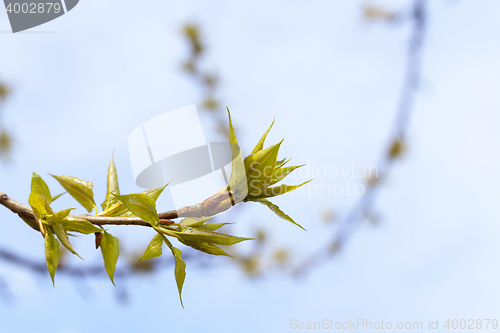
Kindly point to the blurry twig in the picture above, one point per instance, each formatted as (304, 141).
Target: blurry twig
(5, 137)
(39, 267)
(363, 208)
(207, 81)
(80, 275)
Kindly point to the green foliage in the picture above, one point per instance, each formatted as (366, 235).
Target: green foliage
(257, 172)
(193, 222)
(119, 209)
(200, 236)
(79, 189)
(141, 205)
(78, 225)
(197, 235)
(260, 144)
(57, 196)
(40, 187)
(280, 164)
(39, 205)
(180, 267)
(154, 248)
(237, 182)
(110, 248)
(205, 247)
(214, 226)
(276, 210)
(277, 190)
(260, 168)
(280, 173)
(179, 270)
(112, 186)
(51, 254)
(55, 222)
(263, 169)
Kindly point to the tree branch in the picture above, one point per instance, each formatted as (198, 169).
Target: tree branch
(211, 206)
(27, 212)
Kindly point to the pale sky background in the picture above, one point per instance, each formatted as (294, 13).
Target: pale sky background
(332, 82)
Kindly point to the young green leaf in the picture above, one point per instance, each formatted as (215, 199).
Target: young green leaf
(79, 189)
(256, 162)
(260, 167)
(166, 231)
(212, 226)
(155, 192)
(281, 163)
(39, 204)
(179, 271)
(205, 247)
(180, 267)
(278, 190)
(281, 173)
(238, 179)
(59, 215)
(57, 196)
(112, 186)
(260, 144)
(51, 254)
(233, 142)
(141, 205)
(78, 225)
(63, 237)
(54, 222)
(119, 209)
(41, 187)
(204, 236)
(193, 221)
(277, 211)
(154, 248)
(110, 248)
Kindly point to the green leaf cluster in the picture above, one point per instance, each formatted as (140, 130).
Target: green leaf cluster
(262, 171)
(252, 179)
(56, 226)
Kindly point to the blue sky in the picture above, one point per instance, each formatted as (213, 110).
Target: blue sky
(332, 82)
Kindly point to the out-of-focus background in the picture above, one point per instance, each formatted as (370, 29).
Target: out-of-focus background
(331, 73)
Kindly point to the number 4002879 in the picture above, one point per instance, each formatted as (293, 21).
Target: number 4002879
(471, 324)
(33, 8)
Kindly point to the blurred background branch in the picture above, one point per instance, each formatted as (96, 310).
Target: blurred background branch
(364, 209)
(5, 137)
(207, 81)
